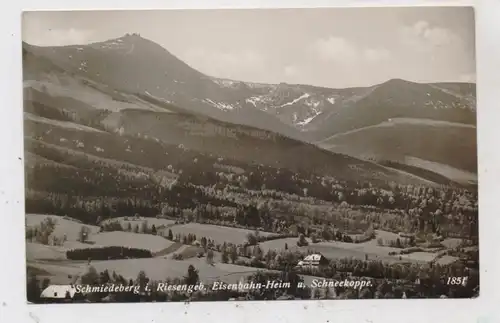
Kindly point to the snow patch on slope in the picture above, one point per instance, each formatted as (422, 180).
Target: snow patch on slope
(307, 120)
(253, 100)
(226, 83)
(303, 96)
(220, 105)
(313, 104)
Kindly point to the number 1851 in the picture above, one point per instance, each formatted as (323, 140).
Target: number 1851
(457, 281)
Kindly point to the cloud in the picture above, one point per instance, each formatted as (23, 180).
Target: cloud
(58, 37)
(376, 55)
(423, 37)
(226, 64)
(334, 49)
(341, 50)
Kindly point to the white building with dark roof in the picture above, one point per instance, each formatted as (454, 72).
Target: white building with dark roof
(313, 260)
(58, 292)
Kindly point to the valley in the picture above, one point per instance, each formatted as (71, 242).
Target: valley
(140, 167)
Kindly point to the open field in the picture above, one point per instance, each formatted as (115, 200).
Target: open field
(392, 123)
(31, 160)
(218, 233)
(60, 87)
(155, 269)
(59, 273)
(130, 240)
(337, 249)
(58, 123)
(461, 176)
(451, 242)
(64, 226)
(415, 142)
(445, 260)
(40, 251)
(160, 269)
(420, 256)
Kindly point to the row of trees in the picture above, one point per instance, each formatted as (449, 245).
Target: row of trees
(42, 233)
(107, 253)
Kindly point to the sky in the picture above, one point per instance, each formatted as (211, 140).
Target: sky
(330, 47)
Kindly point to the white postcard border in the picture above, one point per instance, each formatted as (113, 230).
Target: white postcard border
(13, 307)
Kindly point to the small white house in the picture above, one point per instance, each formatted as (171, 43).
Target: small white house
(58, 292)
(313, 260)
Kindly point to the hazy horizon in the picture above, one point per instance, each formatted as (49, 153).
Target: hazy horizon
(332, 48)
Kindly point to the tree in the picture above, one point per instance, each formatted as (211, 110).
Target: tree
(104, 277)
(129, 227)
(302, 240)
(326, 234)
(142, 280)
(203, 242)
(224, 256)
(210, 256)
(192, 276)
(365, 293)
(136, 228)
(233, 254)
(91, 277)
(153, 230)
(170, 235)
(252, 239)
(144, 227)
(45, 283)
(286, 246)
(33, 289)
(83, 234)
(166, 210)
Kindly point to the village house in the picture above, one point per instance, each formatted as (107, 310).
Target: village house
(313, 260)
(58, 293)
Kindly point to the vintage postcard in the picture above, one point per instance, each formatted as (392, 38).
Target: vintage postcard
(251, 154)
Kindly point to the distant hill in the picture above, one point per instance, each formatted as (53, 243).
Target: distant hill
(133, 64)
(396, 99)
(451, 145)
(64, 112)
(131, 86)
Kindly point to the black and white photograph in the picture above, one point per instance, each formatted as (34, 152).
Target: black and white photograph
(250, 154)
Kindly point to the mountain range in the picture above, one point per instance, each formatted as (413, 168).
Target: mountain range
(398, 130)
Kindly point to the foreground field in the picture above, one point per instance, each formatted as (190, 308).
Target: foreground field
(218, 233)
(39, 251)
(71, 229)
(155, 269)
(64, 226)
(130, 240)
